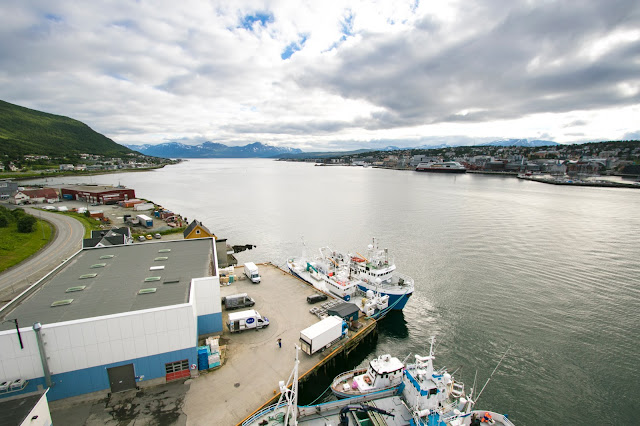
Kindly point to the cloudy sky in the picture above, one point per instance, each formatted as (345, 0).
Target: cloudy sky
(325, 74)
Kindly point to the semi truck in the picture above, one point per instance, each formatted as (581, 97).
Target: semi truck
(251, 271)
(245, 320)
(235, 301)
(322, 335)
(145, 220)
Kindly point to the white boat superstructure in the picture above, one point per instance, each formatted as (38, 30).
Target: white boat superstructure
(327, 272)
(340, 274)
(441, 167)
(425, 397)
(383, 372)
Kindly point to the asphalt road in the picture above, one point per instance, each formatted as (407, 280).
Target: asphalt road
(67, 241)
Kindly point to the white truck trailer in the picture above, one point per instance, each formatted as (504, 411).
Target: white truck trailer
(145, 220)
(251, 271)
(245, 320)
(322, 335)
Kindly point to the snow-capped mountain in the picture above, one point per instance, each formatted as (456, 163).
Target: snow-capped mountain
(521, 142)
(212, 150)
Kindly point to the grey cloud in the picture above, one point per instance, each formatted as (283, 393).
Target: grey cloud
(576, 123)
(416, 82)
(292, 128)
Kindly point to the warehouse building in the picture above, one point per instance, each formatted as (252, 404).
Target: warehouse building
(112, 318)
(104, 194)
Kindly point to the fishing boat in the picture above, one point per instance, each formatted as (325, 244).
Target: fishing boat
(441, 167)
(377, 272)
(425, 397)
(384, 372)
(343, 274)
(327, 272)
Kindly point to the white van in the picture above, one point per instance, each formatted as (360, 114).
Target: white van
(251, 271)
(245, 320)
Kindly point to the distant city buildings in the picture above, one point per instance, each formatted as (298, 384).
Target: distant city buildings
(591, 159)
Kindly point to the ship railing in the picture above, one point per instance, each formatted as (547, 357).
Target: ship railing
(306, 410)
(407, 282)
(340, 377)
(263, 412)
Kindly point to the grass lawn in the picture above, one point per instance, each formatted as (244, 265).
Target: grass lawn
(89, 223)
(16, 246)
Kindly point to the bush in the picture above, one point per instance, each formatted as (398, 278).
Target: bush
(4, 222)
(17, 213)
(26, 224)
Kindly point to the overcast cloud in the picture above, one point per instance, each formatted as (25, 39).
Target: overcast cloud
(325, 75)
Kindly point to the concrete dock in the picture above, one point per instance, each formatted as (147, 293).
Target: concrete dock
(254, 364)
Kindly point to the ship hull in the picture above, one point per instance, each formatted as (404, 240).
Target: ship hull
(396, 301)
(441, 170)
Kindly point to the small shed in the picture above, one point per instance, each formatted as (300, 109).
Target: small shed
(346, 311)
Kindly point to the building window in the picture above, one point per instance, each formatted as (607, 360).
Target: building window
(197, 231)
(174, 367)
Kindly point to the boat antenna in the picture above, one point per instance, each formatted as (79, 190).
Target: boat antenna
(404, 361)
(494, 370)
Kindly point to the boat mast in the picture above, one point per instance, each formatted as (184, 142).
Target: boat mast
(290, 396)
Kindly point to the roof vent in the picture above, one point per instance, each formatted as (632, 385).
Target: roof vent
(171, 281)
(147, 290)
(164, 250)
(98, 265)
(62, 302)
(82, 277)
(156, 268)
(107, 256)
(161, 258)
(150, 279)
(76, 288)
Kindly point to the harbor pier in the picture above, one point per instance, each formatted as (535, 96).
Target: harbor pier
(253, 362)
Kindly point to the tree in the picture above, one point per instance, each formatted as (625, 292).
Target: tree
(26, 224)
(4, 222)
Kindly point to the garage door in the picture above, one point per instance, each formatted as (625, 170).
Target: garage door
(122, 378)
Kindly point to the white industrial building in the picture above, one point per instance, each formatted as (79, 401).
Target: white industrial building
(112, 318)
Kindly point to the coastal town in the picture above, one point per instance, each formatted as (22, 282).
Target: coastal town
(593, 159)
(34, 165)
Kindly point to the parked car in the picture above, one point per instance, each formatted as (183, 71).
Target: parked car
(157, 236)
(148, 237)
(141, 238)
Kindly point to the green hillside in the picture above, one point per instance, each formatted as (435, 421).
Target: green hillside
(26, 131)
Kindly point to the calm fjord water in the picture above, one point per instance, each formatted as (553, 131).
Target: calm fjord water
(553, 272)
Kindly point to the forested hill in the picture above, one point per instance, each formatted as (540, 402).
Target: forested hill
(25, 131)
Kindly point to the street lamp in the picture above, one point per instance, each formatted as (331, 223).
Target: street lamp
(15, 320)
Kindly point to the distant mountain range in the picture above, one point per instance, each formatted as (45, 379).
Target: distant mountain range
(499, 142)
(521, 142)
(260, 150)
(213, 150)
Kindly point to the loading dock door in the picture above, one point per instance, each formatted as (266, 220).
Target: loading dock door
(122, 378)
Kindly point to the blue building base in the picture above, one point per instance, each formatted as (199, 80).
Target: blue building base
(94, 379)
(209, 324)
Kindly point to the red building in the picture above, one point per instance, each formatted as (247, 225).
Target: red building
(103, 194)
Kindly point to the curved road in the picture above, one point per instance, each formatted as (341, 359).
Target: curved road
(67, 241)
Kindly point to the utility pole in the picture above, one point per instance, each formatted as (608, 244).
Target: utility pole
(41, 223)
